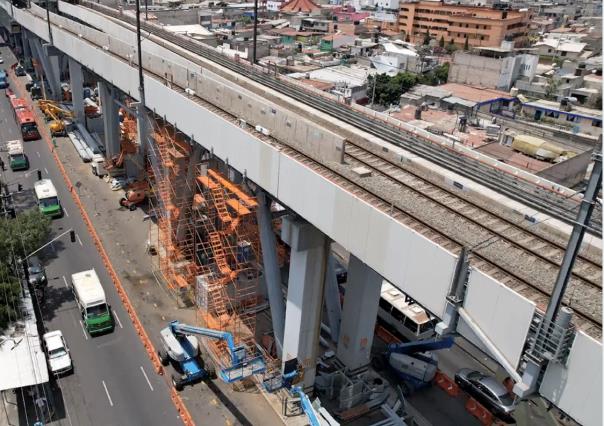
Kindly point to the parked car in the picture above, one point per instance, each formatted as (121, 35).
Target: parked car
(57, 351)
(1, 60)
(37, 274)
(487, 391)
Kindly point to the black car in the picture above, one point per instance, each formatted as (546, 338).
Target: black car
(488, 392)
(37, 274)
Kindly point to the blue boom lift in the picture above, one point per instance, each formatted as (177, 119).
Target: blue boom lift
(415, 363)
(181, 349)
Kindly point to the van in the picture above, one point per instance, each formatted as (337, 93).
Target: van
(91, 300)
(16, 156)
(47, 198)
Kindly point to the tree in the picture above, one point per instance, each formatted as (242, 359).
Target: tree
(441, 43)
(451, 47)
(18, 237)
(551, 87)
(466, 45)
(10, 290)
(427, 38)
(22, 235)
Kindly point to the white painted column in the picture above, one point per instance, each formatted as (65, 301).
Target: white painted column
(359, 314)
(76, 78)
(333, 308)
(272, 274)
(308, 259)
(111, 120)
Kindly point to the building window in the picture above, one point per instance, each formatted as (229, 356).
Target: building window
(563, 54)
(552, 114)
(596, 123)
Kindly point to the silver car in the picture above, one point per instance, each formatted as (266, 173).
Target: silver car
(488, 391)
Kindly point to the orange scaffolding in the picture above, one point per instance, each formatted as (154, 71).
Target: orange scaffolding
(227, 248)
(207, 240)
(171, 195)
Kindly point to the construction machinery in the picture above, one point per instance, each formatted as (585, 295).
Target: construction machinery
(55, 115)
(416, 363)
(180, 348)
(135, 194)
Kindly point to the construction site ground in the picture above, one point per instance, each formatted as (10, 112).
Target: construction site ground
(124, 234)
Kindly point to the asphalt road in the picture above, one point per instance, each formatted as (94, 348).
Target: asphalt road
(113, 381)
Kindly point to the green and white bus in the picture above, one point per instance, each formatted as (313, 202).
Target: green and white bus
(48, 200)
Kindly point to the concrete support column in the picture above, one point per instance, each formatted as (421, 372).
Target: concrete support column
(76, 77)
(332, 299)
(309, 251)
(111, 119)
(272, 274)
(359, 314)
(142, 129)
(47, 57)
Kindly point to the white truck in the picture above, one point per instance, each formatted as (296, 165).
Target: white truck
(91, 300)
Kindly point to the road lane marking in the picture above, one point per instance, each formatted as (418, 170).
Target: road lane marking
(107, 392)
(79, 241)
(45, 170)
(65, 211)
(38, 154)
(145, 374)
(65, 281)
(117, 318)
(84, 330)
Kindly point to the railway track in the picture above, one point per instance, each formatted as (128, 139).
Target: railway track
(524, 192)
(586, 318)
(587, 270)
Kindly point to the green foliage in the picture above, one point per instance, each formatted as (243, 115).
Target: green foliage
(388, 90)
(427, 38)
(10, 297)
(551, 87)
(24, 234)
(451, 47)
(441, 42)
(18, 237)
(466, 45)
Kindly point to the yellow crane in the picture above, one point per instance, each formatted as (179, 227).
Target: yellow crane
(55, 115)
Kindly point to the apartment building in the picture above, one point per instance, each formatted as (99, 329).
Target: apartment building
(481, 26)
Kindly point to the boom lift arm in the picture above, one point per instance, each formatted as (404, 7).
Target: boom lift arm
(179, 348)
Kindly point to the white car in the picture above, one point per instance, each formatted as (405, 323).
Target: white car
(1, 60)
(57, 352)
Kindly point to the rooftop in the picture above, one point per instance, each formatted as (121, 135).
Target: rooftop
(563, 46)
(300, 6)
(475, 94)
(22, 359)
(353, 76)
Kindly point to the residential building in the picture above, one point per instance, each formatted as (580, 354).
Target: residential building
(480, 26)
(578, 120)
(397, 57)
(560, 48)
(295, 7)
(493, 68)
(332, 42)
(349, 82)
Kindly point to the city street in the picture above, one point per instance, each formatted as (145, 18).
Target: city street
(113, 381)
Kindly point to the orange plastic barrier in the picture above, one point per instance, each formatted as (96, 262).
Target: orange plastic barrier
(477, 410)
(142, 334)
(446, 383)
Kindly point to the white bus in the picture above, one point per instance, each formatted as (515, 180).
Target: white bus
(404, 315)
(48, 200)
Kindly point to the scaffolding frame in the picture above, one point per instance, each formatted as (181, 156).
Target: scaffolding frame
(206, 239)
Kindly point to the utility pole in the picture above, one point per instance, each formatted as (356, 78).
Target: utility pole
(140, 116)
(48, 21)
(575, 240)
(146, 10)
(255, 31)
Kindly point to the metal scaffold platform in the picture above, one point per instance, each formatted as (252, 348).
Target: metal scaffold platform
(208, 249)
